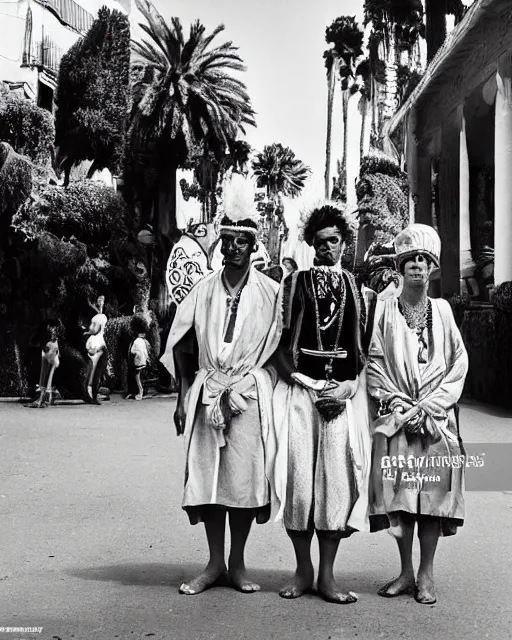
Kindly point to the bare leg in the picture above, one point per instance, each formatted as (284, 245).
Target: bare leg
(43, 377)
(49, 384)
(240, 521)
(304, 574)
(90, 377)
(428, 533)
(215, 527)
(402, 529)
(328, 543)
(100, 361)
(140, 388)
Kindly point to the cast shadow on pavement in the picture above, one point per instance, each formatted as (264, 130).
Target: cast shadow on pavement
(173, 575)
(170, 575)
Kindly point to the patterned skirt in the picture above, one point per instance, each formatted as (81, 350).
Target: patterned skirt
(321, 487)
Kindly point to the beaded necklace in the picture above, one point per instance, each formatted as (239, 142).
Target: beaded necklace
(339, 314)
(232, 302)
(418, 318)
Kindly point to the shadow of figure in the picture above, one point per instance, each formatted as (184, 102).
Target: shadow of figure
(174, 574)
(171, 575)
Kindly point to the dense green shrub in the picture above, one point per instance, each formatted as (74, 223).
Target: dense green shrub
(15, 183)
(92, 94)
(89, 211)
(54, 257)
(502, 299)
(383, 204)
(459, 304)
(29, 129)
(381, 164)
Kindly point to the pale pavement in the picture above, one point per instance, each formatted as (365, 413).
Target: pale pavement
(93, 544)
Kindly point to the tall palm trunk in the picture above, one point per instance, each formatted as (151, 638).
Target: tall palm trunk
(373, 99)
(343, 176)
(363, 107)
(331, 81)
(164, 226)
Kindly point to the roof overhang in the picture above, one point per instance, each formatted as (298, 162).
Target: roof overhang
(467, 59)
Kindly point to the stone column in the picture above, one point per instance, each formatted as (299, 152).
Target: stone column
(411, 161)
(467, 265)
(449, 202)
(424, 171)
(503, 173)
(419, 169)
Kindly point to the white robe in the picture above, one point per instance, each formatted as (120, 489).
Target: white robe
(237, 366)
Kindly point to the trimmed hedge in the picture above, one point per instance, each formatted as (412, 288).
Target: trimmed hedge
(29, 129)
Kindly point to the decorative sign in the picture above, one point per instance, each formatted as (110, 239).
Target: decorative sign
(187, 264)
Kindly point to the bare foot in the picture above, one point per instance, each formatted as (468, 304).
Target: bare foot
(403, 584)
(330, 591)
(211, 576)
(425, 591)
(302, 583)
(239, 580)
(37, 405)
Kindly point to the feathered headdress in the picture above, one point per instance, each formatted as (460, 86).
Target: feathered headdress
(239, 208)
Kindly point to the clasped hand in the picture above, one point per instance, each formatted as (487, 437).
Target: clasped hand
(408, 415)
(339, 390)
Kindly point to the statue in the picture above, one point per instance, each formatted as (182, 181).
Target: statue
(97, 352)
(49, 363)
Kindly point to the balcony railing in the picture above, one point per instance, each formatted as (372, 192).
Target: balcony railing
(47, 55)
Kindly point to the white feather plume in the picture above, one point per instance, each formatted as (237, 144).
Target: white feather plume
(238, 199)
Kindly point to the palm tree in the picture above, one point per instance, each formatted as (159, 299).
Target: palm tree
(436, 12)
(280, 173)
(332, 66)
(238, 158)
(346, 40)
(397, 26)
(364, 72)
(188, 98)
(210, 171)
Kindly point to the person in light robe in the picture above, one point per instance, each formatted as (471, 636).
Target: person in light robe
(320, 407)
(224, 332)
(416, 371)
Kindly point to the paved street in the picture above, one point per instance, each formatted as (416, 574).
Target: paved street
(94, 544)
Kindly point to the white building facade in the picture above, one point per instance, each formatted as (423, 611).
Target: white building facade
(35, 34)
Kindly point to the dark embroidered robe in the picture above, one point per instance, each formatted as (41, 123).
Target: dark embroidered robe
(300, 324)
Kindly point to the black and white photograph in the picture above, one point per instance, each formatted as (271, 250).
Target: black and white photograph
(255, 319)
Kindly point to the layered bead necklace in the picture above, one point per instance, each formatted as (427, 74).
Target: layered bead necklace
(232, 302)
(418, 318)
(322, 291)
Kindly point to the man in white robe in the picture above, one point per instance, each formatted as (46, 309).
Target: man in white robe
(230, 325)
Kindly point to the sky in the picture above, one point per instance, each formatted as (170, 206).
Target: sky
(281, 43)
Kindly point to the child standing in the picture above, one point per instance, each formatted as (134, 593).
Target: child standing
(138, 356)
